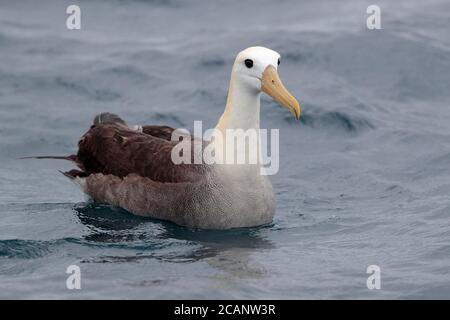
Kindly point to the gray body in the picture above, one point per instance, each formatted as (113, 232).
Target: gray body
(223, 199)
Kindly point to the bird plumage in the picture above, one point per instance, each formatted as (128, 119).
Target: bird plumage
(134, 169)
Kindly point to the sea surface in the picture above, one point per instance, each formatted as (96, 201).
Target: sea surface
(364, 177)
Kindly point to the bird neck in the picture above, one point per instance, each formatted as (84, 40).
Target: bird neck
(242, 108)
(240, 121)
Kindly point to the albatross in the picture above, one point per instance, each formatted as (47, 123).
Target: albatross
(132, 168)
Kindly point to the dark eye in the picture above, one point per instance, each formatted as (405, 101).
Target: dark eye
(279, 61)
(249, 63)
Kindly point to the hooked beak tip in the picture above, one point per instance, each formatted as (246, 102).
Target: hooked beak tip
(272, 85)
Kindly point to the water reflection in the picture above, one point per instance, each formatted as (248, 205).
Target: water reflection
(228, 251)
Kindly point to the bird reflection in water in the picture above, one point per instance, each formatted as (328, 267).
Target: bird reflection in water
(228, 251)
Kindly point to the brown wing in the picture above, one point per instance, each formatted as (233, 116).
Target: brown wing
(113, 148)
(162, 132)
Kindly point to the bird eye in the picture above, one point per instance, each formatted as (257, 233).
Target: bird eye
(278, 61)
(249, 63)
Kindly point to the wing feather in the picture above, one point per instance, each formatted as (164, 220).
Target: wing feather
(111, 148)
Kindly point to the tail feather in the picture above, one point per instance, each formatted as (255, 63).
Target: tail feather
(73, 158)
(72, 174)
(68, 158)
(77, 177)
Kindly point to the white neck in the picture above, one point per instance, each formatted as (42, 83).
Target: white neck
(241, 112)
(242, 108)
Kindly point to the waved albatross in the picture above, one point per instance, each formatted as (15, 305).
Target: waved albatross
(133, 169)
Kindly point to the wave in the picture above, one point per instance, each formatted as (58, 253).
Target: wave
(348, 119)
(127, 71)
(335, 119)
(99, 94)
(385, 64)
(24, 249)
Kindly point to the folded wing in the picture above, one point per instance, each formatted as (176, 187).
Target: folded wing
(113, 148)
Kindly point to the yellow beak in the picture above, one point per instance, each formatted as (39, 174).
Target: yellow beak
(272, 85)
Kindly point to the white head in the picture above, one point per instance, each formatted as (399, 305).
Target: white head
(255, 70)
(250, 64)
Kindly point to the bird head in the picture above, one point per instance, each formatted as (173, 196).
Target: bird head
(256, 69)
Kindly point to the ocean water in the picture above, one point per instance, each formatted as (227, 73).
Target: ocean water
(364, 176)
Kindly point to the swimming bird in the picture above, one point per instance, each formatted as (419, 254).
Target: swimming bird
(134, 169)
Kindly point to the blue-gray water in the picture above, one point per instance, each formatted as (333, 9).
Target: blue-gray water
(364, 177)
